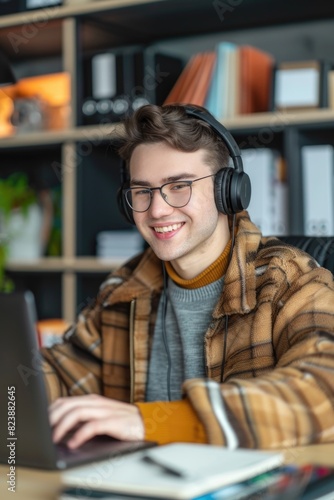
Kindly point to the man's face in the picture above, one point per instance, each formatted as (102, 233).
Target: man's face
(191, 237)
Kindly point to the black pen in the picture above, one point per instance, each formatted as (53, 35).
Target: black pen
(164, 467)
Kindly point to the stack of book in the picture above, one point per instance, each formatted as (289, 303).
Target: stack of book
(231, 80)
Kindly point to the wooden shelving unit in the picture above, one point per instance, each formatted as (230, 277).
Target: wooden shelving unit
(63, 34)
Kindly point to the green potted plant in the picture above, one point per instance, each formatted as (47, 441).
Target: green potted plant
(6, 284)
(16, 196)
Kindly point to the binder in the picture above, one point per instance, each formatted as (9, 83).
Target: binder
(267, 207)
(178, 92)
(318, 189)
(280, 223)
(10, 6)
(117, 82)
(157, 71)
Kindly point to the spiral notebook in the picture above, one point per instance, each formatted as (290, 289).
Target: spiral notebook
(177, 470)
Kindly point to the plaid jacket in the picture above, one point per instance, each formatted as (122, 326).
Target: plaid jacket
(278, 387)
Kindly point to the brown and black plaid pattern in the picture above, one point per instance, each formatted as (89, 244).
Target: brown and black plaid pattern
(278, 385)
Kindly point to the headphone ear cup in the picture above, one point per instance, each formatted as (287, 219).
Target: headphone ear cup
(232, 191)
(123, 207)
(221, 190)
(240, 191)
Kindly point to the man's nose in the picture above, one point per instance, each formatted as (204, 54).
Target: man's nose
(159, 206)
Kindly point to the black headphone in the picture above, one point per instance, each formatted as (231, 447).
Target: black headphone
(232, 189)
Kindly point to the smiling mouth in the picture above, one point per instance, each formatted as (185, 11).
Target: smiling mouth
(168, 229)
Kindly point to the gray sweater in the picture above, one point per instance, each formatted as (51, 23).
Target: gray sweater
(188, 316)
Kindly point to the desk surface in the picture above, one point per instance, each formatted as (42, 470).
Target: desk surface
(33, 484)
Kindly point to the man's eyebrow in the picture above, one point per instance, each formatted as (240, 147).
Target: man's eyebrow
(173, 178)
(137, 182)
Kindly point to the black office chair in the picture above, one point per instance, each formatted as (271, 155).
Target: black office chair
(320, 247)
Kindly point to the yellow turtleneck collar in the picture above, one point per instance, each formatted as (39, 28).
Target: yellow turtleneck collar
(212, 273)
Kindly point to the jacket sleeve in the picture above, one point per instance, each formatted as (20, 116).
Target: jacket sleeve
(171, 421)
(74, 366)
(291, 405)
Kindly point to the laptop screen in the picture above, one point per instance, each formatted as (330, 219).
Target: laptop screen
(26, 439)
(27, 432)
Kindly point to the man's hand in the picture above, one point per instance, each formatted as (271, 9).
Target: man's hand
(95, 415)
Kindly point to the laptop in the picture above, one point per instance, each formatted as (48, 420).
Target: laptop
(26, 439)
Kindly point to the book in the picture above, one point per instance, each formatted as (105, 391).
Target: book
(179, 89)
(198, 90)
(228, 81)
(193, 84)
(177, 470)
(280, 222)
(233, 85)
(255, 79)
(318, 189)
(218, 97)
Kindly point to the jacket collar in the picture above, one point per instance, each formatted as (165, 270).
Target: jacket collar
(239, 294)
(137, 278)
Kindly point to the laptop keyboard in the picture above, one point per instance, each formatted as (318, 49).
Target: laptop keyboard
(98, 448)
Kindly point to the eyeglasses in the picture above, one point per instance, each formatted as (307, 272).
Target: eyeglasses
(176, 194)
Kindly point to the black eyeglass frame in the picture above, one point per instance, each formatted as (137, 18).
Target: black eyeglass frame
(163, 195)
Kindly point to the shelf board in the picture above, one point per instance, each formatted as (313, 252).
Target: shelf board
(94, 134)
(46, 14)
(280, 119)
(100, 133)
(65, 264)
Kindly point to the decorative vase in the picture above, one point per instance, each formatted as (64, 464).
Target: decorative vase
(23, 233)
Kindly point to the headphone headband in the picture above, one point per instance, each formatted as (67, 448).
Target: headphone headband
(221, 131)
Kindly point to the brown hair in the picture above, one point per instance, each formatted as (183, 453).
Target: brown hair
(170, 124)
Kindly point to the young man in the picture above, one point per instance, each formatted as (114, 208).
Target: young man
(214, 334)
